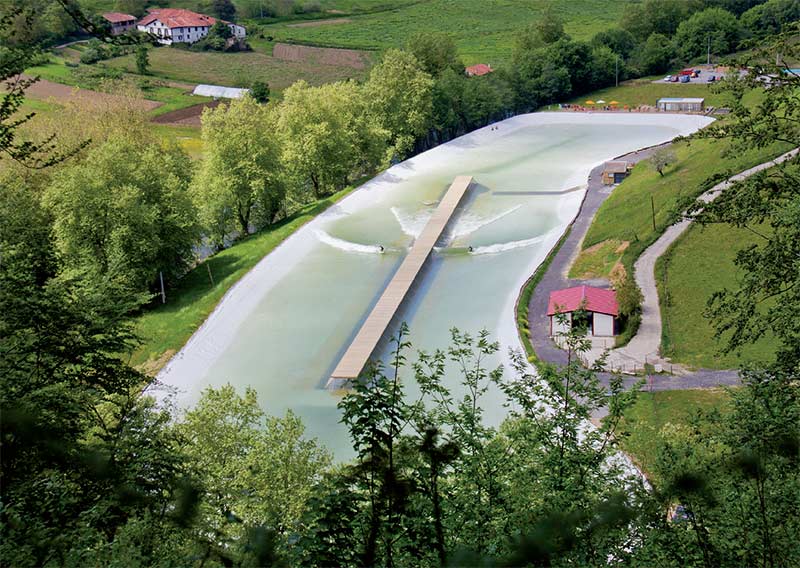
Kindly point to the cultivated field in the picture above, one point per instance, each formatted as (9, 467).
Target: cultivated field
(484, 30)
(236, 69)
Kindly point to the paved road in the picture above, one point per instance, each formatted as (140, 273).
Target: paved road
(556, 276)
(650, 331)
(647, 341)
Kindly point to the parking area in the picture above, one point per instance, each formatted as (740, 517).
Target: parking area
(703, 74)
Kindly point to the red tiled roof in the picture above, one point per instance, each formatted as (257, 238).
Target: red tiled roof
(479, 69)
(591, 299)
(118, 17)
(177, 18)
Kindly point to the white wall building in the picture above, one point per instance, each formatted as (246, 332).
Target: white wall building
(173, 25)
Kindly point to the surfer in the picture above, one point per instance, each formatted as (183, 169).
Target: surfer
(380, 248)
(469, 248)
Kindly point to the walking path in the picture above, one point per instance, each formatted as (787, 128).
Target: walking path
(644, 346)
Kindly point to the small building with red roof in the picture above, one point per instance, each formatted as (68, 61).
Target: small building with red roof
(478, 70)
(176, 25)
(599, 304)
(120, 23)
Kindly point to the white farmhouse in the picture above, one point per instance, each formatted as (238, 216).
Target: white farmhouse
(174, 25)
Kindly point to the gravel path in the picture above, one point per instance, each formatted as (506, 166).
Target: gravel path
(645, 345)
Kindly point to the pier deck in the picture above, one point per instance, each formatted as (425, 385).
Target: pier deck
(355, 358)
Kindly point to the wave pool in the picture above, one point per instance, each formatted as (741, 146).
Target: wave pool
(283, 327)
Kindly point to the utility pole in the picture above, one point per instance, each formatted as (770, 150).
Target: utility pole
(708, 41)
(163, 294)
(653, 211)
(616, 71)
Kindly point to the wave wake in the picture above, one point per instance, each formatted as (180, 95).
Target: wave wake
(347, 246)
(503, 247)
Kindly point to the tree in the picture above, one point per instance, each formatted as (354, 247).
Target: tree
(220, 30)
(136, 8)
(259, 90)
(656, 54)
(224, 9)
(435, 52)
(617, 40)
(257, 471)
(328, 135)
(116, 218)
(657, 16)
(142, 60)
(549, 27)
(399, 95)
(661, 158)
(239, 184)
(771, 18)
(83, 452)
(712, 28)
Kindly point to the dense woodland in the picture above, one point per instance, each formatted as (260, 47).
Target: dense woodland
(95, 473)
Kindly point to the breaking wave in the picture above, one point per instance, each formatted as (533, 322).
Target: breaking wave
(471, 222)
(412, 224)
(347, 245)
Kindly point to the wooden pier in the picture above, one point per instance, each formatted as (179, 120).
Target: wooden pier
(369, 336)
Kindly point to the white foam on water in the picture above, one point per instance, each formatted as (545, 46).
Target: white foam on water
(503, 247)
(346, 246)
(412, 223)
(470, 222)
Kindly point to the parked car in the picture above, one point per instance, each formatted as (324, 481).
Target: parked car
(698, 71)
(674, 79)
(712, 78)
(668, 78)
(685, 78)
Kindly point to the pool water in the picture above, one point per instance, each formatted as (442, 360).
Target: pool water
(283, 328)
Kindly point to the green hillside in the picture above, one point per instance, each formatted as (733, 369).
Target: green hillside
(484, 30)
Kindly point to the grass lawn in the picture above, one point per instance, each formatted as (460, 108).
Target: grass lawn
(599, 260)
(626, 214)
(692, 269)
(234, 69)
(484, 30)
(644, 91)
(641, 429)
(187, 137)
(166, 328)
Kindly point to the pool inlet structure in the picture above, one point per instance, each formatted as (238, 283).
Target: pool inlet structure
(284, 327)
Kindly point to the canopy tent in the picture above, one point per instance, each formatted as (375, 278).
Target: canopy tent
(589, 102)
(601, 102)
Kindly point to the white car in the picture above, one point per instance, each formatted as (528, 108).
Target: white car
(668, 78)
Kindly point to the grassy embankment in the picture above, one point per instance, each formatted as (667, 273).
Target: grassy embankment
(164, 329)
(698, 264)
(645, 424)
(483, 30)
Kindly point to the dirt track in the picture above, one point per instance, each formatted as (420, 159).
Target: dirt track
(189, 116)
(44, 89)
(324, 55)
